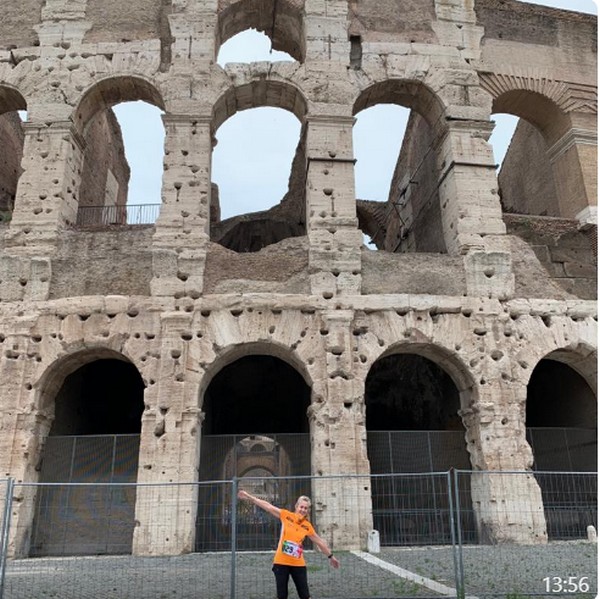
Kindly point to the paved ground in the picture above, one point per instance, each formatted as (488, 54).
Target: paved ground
(507, 572)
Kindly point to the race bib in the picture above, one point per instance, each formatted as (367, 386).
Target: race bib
(292, 549)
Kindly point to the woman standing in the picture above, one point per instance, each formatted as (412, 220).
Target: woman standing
(289, 557)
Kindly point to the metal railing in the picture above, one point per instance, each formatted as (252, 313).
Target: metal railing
(129, 214)
(458, 534)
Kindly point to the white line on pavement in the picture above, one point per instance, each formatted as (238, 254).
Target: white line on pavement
(408, 575)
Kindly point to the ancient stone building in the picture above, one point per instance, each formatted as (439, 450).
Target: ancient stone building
(475, 316)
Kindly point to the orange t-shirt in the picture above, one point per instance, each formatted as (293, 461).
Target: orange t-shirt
(294, 529)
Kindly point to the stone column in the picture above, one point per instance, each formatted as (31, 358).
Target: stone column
(46, 200)
(507, 499)
(332, 225)
(193, 28)
(182, 229)
(342, 504)
(575, 163)
(471, 211)
(326, 25)
(25, 453)
(63, 21)
(169, 448)
(25, 424)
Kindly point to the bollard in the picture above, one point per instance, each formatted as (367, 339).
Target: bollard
(373, 541)
(591, 534)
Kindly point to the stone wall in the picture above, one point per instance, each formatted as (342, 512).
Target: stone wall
(98, 263)
(531, 190)
(567, 254)
(181, 308)
(11, 139)
(104, 158)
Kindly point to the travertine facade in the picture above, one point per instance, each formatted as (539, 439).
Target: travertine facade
(483, 294)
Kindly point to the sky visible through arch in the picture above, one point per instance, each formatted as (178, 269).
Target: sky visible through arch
(252, 160)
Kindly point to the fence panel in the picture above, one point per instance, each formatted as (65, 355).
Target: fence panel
(128, 214)
(6, 486)
(159, 563)
(181, 541)
(527, 534)
(338, 508)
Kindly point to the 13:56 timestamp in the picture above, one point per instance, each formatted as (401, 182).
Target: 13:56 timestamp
(566, 584)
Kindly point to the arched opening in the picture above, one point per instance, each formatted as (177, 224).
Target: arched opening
(410, 220)
(12, 112)
(281, 22)
(250, 46)
(143, 135)
(561, 420)
(413, 431)
(255, 427)
(258, 167)
(377, 139)
(94, 438)
(121, 175)
(540, 123)
(530, 191)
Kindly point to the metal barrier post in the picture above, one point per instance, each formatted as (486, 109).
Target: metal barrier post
(456, 533)
(234, 488)
(10, 483)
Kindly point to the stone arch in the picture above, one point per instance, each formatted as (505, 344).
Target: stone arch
(409, 93)
(53, 377)
(105, 173)
(561, 418)
(540, 101)
(111, 90)
(253, 231)
(259, 400)
(564, 376)
(556, 137)
(281, 20)
(92, 435)
(446, 370)
(11, 99)
(258, 94)
(581, 357)
(253, 348)
(416, 389)
(413, 216)
(257, 351)
(451, 362)
(371, 219)
(255, 452)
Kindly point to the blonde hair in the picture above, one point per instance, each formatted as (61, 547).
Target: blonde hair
(304, 498)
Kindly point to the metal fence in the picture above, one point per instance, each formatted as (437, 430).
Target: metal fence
(456, 534)
(128, 214)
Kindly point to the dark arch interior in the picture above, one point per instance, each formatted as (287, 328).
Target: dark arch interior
(256, 394)
(94, 438)
(410, 392)
(557, 396)
(102, 397)
(413, 427)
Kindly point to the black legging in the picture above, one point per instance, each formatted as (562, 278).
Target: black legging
(298, 574)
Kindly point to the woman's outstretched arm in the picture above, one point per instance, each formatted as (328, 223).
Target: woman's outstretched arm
(261, 503)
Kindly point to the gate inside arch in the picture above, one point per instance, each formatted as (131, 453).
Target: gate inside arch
(94, 438)
(255, 429)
